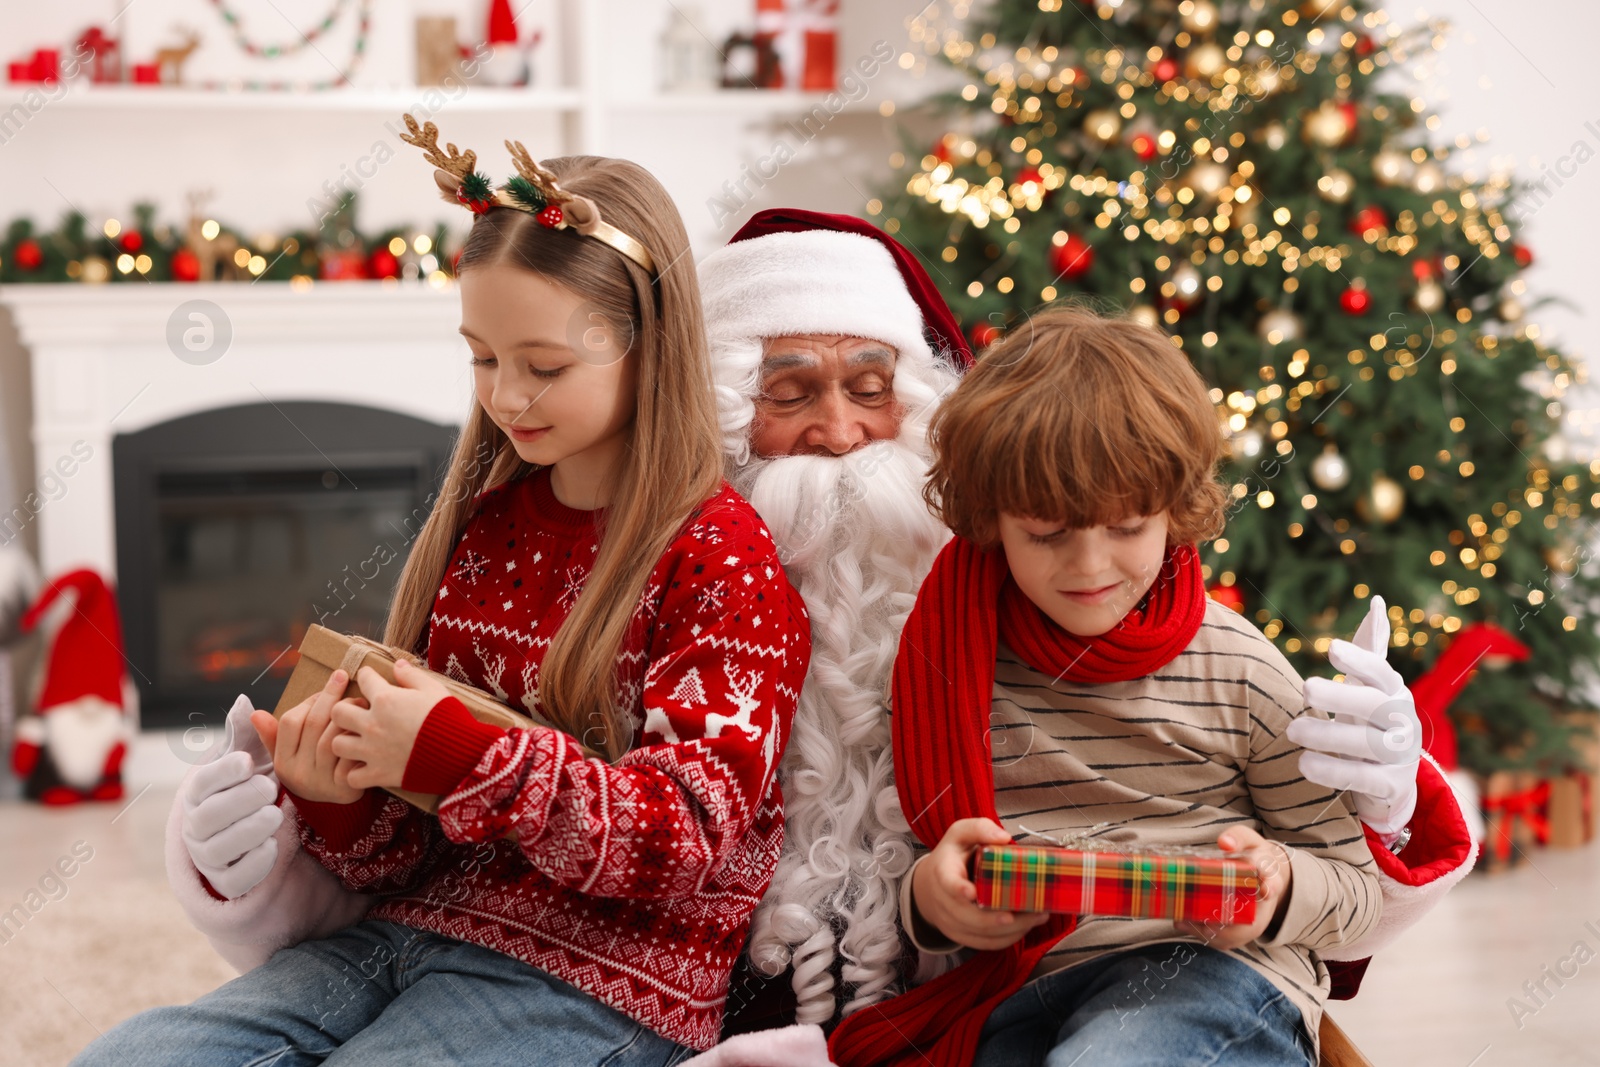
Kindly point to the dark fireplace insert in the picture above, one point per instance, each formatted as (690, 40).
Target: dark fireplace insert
(239, 527)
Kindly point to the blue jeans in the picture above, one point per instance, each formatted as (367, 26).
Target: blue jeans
(1175, 1003)
(380, 993)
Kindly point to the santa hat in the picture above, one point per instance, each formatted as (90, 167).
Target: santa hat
(502, 27)
(789, 271)
(86, 656)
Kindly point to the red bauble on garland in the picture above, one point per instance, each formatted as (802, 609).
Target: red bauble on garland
(1356, 300)
(1368, 220)
(1144, 146)
(1423, 270)
(941, 150)
(185, 266)
(383, 264)
(29, 254)
(131, 242)
(1072, 257)
(1523, 255)
(1165, 69)
(1029, 174)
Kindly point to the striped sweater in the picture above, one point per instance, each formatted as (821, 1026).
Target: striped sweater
(1174, 758)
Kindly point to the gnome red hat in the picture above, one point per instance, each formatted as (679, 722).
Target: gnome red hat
(86, 657)
(73, 748)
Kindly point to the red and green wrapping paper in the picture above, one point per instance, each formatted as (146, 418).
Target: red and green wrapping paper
(1150, 885)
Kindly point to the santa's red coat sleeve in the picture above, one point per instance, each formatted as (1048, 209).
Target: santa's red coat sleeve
(1439, 855)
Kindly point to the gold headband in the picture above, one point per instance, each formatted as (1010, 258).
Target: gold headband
(534, 190)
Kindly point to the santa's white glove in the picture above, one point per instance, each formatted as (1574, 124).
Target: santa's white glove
(230, 811)
(1373, 743)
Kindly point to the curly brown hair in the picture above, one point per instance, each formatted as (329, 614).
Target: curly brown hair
(1080, 419)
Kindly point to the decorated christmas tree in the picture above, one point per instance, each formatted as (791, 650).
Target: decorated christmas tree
(1244, 176)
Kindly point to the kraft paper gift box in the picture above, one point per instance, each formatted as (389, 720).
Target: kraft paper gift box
(1199, 885)
(324, 651)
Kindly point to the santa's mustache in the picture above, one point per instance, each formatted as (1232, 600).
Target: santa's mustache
(814, 503)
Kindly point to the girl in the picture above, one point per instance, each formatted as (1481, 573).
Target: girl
(597, 571)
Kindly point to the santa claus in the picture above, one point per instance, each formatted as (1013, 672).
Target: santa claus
(831, 351)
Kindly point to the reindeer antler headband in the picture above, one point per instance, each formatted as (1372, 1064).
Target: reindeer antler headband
(534, 190)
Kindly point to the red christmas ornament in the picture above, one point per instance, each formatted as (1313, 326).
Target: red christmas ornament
(1073, 257)
(383, 264)
(941, 150)
(29, 254)
(185, 266)
(1144, 146)
(132, 241)
(984, 335)
(1029, 174)
(1523, 255)
(1423, 270)
(1227, 595)
(1365, 45)
(1348, 110)
(1368, 220)
(550, 217)
(1356, 300)
(1165, 69)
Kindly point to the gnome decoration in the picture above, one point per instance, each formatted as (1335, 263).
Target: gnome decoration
(72, 748)
(507, 63)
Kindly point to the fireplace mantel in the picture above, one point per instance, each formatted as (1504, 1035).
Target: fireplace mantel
(102, 365)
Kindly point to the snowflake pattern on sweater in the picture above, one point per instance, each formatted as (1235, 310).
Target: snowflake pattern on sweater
(634, 881)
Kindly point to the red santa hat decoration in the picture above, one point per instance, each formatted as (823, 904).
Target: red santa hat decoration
(72, 749)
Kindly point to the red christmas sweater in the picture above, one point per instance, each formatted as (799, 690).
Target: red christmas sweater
(635, 881)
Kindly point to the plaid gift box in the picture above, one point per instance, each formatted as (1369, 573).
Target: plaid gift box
(1153, 885)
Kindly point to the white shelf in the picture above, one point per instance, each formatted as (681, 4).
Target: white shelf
(737, 100)
(352, 99)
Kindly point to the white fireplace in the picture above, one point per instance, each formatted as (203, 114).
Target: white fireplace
(109, 360)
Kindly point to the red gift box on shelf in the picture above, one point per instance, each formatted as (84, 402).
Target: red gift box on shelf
(1198, 885)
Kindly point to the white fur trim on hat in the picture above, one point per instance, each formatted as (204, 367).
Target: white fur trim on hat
(810, 282)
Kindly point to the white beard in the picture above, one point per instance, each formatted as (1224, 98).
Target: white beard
(856, 540)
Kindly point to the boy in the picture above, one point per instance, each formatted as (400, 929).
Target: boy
(1064, 669)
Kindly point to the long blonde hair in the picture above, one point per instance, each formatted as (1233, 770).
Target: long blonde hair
(674, 459)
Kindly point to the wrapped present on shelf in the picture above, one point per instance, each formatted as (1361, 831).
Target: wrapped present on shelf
(1569, 810)
(1514, 804)
(1201, 885)
(324, 651)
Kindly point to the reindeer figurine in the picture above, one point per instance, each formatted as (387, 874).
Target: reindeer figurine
(170, 60)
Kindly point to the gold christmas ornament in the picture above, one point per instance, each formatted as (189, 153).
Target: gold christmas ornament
(1392, 167)
(1204, 61)
(1199, 16)
(1336, 185)
(1145, 315)
(1326, 126)
(1206, 178)
(1279, 326)
(1330, 470)
(1186, 283)
(1103, 125)
(1384, 502)
(1428, 178)
(1246, 444)
(1320, 9)
(1430, 297)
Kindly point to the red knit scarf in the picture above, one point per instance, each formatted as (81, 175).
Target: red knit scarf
(942, 692)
